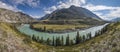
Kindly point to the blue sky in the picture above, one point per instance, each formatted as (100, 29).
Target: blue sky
(106, 9)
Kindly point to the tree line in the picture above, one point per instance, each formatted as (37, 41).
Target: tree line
(66, 41)
(38, 29)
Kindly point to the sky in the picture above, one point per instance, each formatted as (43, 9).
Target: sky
(105, 9)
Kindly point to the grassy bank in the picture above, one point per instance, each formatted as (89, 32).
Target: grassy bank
(99, 43)
(25, 40)
(59, 28)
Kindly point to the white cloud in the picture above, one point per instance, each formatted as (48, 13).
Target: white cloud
(9, 7)
(112, 14)
(113, 11)
(98, 7)
(66, 4)
(70, 2)
(35, 16)
(101, 15)
(31, 3)
(17, 1)
(49, 10)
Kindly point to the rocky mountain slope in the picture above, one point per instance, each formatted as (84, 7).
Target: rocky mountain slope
(13, 17)
(79, 14)
(13, 41)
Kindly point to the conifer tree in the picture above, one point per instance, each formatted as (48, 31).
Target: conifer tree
(71, 42)
(37, 39)
(83, 38)
(32, 37)
(67, 40)
(62, 41)
(59, 41)
(53, 43)
(90, 35)
(56, 41)
(41, 40)
(77, 38)
(48, 41)
(96, 33)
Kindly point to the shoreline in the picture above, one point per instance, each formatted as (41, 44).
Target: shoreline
(65, 31)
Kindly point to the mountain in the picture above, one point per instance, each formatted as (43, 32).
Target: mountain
(13, 17)
(116, 20)
(73, 13)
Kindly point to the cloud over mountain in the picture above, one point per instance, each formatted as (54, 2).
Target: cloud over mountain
(66, 4)
(31, 3)
(113, 11)
(42, 7)
(6, 6)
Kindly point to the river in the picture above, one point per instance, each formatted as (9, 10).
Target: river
(30, 32)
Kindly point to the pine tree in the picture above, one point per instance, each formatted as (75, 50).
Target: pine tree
(90, 36)
(34, 38)
(96, 34)
(77, 38)
(59, 41)
(100, 32)
(71, 42)
(83, 38)
(62, 41)
(48, 41)
(37, 39)
(41, 40)
(67, 40)
(104, 29)
(53, 41)
(80, 39)
(56, 42)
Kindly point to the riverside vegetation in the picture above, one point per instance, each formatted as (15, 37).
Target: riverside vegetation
(108, 41)
(11, 40)
(58, 28)
(58, 41)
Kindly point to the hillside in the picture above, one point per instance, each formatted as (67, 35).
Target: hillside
(116, 20)
(107, 42)
(13, 17)
(73, 14)
(13, 41)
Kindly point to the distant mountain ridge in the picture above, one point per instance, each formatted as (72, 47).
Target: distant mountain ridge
(73, 13)
(116, 19)
(14, 17)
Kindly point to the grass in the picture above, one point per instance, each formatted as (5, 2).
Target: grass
(56, 27)
(10, 28)
(3, 48)
(87, 44)
(75, 48)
